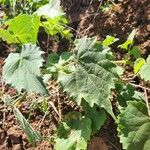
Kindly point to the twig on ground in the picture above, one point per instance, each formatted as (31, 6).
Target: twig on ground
(11, 49)
(94, 18)
(47, 45)
(130, 78)
(59, 104)
(3, 86)
(53, 106)
(114, 146)
(40, 122)
(4, 117)
(113, 2)
(140, 86)
(59, 109)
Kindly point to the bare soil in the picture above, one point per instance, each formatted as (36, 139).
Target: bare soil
(85, 19)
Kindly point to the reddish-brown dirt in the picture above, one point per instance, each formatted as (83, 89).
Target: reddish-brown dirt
(118, 22)
(86, 19)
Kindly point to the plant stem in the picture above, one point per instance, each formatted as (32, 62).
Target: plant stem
(120, 62)
(139, 86)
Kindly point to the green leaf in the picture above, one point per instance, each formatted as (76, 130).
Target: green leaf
(74, 134)
(51, 10)
(22, 70)
(44, 105)
(52, 59)
(128, 93)
(106, 7)
(109, 40)
(33, 136)
(138, 64)
(56, 25)
(56, 63)
(97, 117)
(66, 56)
(22, 29)
(134, 127)
(7, 36)
(93, 77)
(145, 70)
(135, 51)
(129, 41)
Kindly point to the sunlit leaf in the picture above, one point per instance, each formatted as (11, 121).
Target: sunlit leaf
(138, 64)
(109, 40)
(56, 26)
(21, 29)
(22, 70)
(129, 41)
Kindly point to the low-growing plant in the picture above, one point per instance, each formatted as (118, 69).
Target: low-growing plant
(140, 66)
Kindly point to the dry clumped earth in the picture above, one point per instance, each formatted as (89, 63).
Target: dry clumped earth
(86, 20)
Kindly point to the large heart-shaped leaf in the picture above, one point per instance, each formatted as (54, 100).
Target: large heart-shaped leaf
(22, 70)
(94, 74)
(134, 126)
(22, 29)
